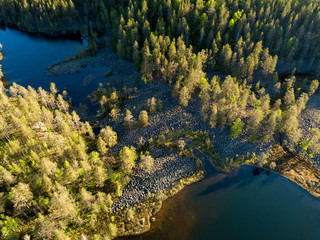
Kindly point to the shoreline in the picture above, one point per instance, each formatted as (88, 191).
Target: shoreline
(284, 169)
(287, 178)
(44, 30)
(290, 167)
(227, 170)
(300, 172)
(148, 208)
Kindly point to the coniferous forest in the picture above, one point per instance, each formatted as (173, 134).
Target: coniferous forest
(54, 169)
(236, 58)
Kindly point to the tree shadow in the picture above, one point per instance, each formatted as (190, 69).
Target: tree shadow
(239, 178)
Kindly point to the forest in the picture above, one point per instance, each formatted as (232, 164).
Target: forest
(185, 43)
(58, 176)
(55, 173)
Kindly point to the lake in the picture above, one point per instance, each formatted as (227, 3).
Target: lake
(245, 204)
(28, 56)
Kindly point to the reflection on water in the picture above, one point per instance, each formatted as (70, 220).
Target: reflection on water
(246, 204)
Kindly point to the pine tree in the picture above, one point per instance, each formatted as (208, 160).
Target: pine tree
(313, 87)
(290, 124)
(146, 67)
(255, 119)
(128, 120)
(225, 56)
(289, 98)
(146, 163)
(152, 105)
(108, 136)
(128, 157)
(236, 128)
(184, 96)
(62, 205)
(136, 55)
(143, 119)
(214, 116)
(22, 198)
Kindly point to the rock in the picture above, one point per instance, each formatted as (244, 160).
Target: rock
(108, 73)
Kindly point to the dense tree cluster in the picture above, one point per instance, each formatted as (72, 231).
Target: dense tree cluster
(293, 104)
(53, 15)
(180, 41)
(55, 174)
(236, 36)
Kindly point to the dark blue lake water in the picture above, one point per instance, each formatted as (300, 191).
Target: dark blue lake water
(235, 206)
(240, 206)
(28, 56)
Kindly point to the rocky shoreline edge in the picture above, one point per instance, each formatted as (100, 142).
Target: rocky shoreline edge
(288, 165)
(146, 210)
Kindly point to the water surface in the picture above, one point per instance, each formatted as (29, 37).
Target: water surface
(240, 206)
(28, 56)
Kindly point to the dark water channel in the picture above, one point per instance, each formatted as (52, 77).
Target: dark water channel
(245, 204)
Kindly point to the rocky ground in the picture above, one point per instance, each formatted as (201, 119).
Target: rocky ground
(309, 119)
(227, 148)
(288, 66)
(169, 166)
(168, 169)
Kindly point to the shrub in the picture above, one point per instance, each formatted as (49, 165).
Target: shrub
(146, 163)
(272, 165)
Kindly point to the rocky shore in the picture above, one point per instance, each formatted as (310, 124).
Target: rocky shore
(168, 169)
(105, 57)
